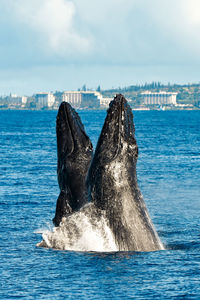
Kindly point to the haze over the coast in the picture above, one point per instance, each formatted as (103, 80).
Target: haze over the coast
(59, 44)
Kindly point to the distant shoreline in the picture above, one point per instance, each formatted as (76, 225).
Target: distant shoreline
(104, 109)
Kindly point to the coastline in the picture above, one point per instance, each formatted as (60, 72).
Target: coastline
(105, 108)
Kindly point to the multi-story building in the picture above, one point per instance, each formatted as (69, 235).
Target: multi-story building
(83, 99)
(160, 98)
(73, 97)
(44, 100)
(105, 102)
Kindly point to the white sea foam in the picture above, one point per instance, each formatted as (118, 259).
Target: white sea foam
(82, 231)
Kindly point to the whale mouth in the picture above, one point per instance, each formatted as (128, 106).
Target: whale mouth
(71, 135)
(117, 130)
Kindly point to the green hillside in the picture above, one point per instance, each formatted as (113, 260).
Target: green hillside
(187, 93)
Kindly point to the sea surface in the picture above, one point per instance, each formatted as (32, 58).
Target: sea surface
(169, 177)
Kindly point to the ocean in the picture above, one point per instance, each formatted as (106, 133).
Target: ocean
(168, 171)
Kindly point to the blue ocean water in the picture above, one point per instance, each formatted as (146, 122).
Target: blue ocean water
(168, 173)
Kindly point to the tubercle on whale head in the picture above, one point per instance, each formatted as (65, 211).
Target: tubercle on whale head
(118, 130)
(71, 135)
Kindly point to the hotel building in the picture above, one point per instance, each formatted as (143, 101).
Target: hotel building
(44, 100)
(160, 98)
(83, 99)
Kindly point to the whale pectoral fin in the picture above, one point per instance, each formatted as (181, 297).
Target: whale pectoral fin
(62, 208)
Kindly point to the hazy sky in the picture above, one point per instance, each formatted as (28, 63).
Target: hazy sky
(48, 45)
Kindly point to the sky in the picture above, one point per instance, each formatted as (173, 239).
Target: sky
(49, 45)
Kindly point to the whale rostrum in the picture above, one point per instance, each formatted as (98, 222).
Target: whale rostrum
(109, 201)
(74, 154)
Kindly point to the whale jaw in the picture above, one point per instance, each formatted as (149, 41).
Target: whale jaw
(112, 182)
(74, 153)
(73, 144)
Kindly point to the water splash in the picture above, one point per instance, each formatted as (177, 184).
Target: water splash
(86, 230)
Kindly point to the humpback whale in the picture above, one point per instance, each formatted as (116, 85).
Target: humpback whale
(111, 209)
(112, 182)
(74, 154)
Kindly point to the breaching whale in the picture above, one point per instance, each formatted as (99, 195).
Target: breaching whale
(112, 209)
(112, 182)
(74, 154)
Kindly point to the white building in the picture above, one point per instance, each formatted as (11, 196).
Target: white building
(160, 98)
(90, 99)
(44, 100)
(83, 99)
(72, 97)
(24, 100)
(105, 102)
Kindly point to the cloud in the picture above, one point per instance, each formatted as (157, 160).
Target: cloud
(73, 38)
(51, 24)
(143, 31)
(177, 24)
(107, 32)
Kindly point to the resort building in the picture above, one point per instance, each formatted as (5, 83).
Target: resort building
(44, 100)
(83, 99)
(160, 98)
(105, 102)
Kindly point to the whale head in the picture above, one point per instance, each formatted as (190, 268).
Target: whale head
(74, 151)
(117, 137)
(71, 135)
(116, 151)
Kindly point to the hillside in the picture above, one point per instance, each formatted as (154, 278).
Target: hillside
(187, 93)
